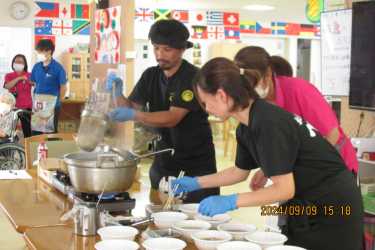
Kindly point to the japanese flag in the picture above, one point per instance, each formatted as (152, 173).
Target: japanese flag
(198, 18)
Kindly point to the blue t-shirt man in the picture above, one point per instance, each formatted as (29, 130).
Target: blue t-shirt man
(48, 76)
(49, 79)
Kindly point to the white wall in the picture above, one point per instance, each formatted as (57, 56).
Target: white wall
(7, 21)
(14, 40)
(63, 42)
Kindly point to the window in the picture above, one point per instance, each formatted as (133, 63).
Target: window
(14, 41)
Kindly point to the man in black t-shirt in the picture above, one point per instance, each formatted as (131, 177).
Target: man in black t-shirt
(166, 91)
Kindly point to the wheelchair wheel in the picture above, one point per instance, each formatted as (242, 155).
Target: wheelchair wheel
(12, 156)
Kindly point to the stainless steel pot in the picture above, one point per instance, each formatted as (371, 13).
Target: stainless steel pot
(97, 172)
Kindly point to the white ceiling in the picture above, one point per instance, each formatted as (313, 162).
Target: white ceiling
(285, 10)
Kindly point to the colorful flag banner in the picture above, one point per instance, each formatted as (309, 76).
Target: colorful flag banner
(62, 27)
(64, 10)
(278, 28)
(144, 15)
(248, 27)
(48, 9)
(81, 11)
(81, 27)
(215, 18)
(37, 38)
(232, 33)
(307, 30)
(262, 29)
(180, 15)
(43, 27)
(199, 32)
(215, 32)
(231, 19)
(198, 18)
(161, 14)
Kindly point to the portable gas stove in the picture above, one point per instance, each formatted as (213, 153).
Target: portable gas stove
(114, 202)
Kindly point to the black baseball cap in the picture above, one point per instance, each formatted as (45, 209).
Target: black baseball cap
(170, 32)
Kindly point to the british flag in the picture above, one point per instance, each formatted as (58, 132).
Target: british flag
(144, 15)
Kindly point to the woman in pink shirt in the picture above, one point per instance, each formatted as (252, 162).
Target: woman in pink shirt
(299, 97)
(18, 83)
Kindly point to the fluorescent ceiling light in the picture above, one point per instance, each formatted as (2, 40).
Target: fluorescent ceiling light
(259, 7)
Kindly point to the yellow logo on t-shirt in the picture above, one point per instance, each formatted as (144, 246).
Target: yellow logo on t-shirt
(187, 95)
(171, 97)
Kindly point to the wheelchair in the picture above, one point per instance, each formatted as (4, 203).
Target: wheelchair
(12, 154)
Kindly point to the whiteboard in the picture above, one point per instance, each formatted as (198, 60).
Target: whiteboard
(336, 31)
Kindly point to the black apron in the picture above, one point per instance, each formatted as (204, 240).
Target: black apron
(330, 228)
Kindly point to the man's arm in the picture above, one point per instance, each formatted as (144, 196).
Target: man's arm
(62, 91)
(166, 119)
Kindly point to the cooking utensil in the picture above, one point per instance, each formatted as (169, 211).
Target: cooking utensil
(168, 204)
(91, 130)
(96, 172)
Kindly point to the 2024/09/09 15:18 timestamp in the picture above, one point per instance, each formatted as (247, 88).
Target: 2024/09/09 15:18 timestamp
(309, 210)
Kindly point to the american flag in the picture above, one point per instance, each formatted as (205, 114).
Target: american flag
(144, 14)
(215, 17)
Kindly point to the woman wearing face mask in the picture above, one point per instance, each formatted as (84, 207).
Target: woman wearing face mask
(307, 172)
(297, 96)
(18, 83)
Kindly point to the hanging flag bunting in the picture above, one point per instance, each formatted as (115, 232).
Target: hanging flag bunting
(80, 11)
(198, 18)
(307, 30)
(199, 32)
(37, 38)
(292, 29)
(81, 27)
(144, 15)
(278, 28)
(232, 33)
(161, 14)
(261, 29)
(231, 19)
(62, 27)
(48, 9)
(43, 27)
(248, 27)
(180, 15)
(215, 32)
(215, 18)
(64, 10)
(317, 30)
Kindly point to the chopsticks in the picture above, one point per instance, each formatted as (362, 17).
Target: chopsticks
(168, 203)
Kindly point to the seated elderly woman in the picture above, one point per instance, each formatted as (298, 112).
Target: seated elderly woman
(7, 104)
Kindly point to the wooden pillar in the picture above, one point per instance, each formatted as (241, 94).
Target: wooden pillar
(124, 133)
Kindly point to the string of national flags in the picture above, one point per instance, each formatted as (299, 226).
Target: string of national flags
(61, 19)
(219, 25)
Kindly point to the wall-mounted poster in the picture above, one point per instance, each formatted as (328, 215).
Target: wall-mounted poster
(107, 35)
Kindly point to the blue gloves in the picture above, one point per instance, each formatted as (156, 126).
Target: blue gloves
(112, 79)
(122, 114)
(185, 184)
(218, 204)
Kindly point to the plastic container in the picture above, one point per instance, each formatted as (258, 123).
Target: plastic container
(42, 151)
